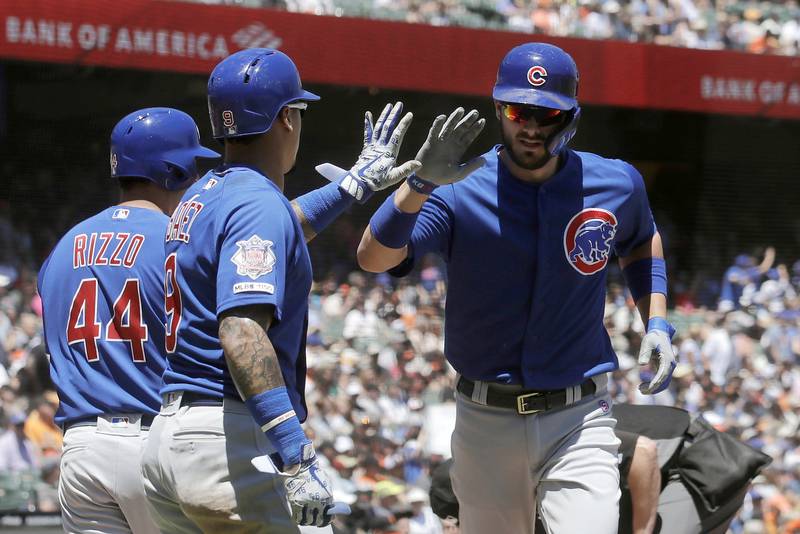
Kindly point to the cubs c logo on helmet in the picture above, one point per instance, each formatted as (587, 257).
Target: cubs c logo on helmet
(537, 75)
(587, 240)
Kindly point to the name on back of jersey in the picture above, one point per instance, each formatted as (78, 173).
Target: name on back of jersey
(114, 249)
(182, 219)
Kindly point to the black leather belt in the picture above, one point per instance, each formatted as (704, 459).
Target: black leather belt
(192, 397)
(527, 402)
(147, 421)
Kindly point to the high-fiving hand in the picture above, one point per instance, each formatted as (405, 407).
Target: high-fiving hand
(377, 167)
(448, 140)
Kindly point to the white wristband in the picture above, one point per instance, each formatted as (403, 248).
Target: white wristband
(278, 420)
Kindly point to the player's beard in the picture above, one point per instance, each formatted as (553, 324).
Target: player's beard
(524, 161)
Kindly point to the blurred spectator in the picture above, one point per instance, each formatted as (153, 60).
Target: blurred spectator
(761, 28)
(424, 521)
(17, 452)
(717, 349)
(739, 281)
(41, 427)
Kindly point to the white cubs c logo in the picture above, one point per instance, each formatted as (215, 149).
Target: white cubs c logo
(227, 118)
(537, 75)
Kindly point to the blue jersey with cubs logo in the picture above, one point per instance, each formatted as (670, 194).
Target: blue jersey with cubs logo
(234, 241)
(102, 295)
(526, 266)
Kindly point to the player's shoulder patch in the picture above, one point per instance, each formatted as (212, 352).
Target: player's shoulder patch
(254, 257)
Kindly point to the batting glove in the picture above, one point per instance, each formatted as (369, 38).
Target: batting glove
(656, 351)
(376, 167)
(440, 155)
(308, 488)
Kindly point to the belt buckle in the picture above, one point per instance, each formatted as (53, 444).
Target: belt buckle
(522, 403)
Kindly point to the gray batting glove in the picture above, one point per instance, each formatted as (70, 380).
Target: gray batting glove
(308, 488)
(448, 140)
(656, 351)
(377, 167)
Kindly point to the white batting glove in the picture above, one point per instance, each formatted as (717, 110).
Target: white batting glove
(656, 351)
(448, 139)
(308, 488)
(377, 167)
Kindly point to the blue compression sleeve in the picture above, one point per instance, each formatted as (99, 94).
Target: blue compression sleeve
(392, 227)
(273, 412)
(322, 206)
(646, 276)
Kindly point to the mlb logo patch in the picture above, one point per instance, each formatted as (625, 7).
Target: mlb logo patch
(587, 240)
(120, 213)
(254, 258)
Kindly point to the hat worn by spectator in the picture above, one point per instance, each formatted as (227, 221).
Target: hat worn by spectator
(387, 488)
(416, 495)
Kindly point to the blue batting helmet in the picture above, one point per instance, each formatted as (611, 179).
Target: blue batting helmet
(247, 89)
(540, 74)
(157, 144)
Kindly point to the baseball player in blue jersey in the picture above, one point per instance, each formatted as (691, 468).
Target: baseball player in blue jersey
(526, 239)
(103, 301)
(227, 453)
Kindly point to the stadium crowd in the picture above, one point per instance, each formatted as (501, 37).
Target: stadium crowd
(380, 391)
(765, 27)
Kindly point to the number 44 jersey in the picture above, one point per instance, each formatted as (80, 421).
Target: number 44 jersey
(102, 290)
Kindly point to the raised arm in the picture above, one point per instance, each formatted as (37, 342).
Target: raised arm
(375, 169)
(384, 243)
(375, 257)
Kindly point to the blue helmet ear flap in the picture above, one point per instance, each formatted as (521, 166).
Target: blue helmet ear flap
(179, 175)
(559, 139)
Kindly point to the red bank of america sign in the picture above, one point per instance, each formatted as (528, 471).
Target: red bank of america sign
(187, 37)
(43, 32)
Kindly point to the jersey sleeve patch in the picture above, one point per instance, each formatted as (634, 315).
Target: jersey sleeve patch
(254, 258)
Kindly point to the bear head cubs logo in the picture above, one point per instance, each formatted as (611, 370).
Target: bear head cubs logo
(587, 240)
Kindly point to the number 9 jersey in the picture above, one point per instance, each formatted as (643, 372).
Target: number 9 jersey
(102, 293)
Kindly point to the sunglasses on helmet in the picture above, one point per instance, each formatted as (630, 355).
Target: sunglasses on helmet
(521, 114)
(302, 106)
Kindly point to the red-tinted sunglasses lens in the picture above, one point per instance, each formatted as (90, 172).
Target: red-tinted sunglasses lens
(522, 114)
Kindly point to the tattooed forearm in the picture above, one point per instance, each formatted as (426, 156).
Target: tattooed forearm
(251, 358)
(308, 231)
